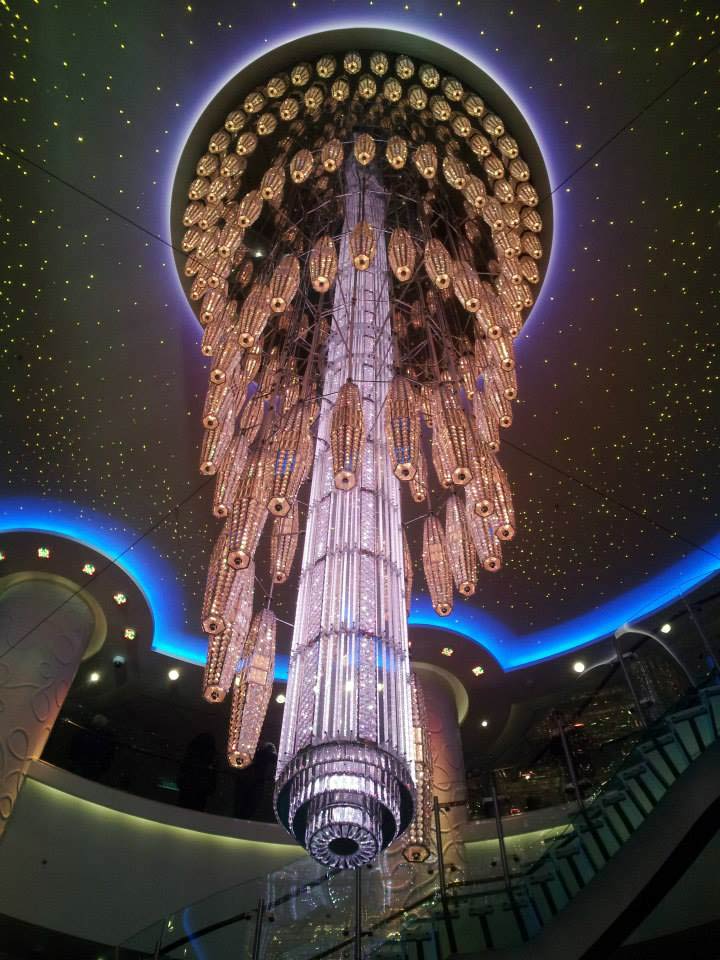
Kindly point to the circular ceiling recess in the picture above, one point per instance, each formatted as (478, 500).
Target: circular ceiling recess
(457, 105)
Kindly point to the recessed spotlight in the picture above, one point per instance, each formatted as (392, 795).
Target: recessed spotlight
(665, 628)
(89, 569)
(483, 723)
(119, 598)
(478, 671)
(3, 556)
(280, 698)
(43, 553)
(130, 633)
(447, 651)
(174, 674)
(94, 677)
(579, 666)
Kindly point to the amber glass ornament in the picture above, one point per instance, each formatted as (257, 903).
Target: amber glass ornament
(419, 482)
(288, 459)
(251, 690)
(379, 63)
(466, 284)
(254, 314)
(367, 87)
(440, 108)
(249, 512)
(474, 192)
(396, 152)
(527, 195)
(407, 572)
(331, 155)
(438, 264)
(301, 166)
(249, 209)
(216, 439)
(326, 66)
(486, 423)
(487, 545)
(402, 428)
(364, 149)
(213, 306)
(452, 432)
(437, 566)
(362, 245)
(426, 161)
(347, 436)
(225, 645)
(392, 90)
(340, 90)
(322, 264)
(455, 172)
(284, 283)
(289, 109)
(417, 98)
(531, 220)
(283, 545)
(276, 87)
(404, 67)
(235, 121)
(401, 254)
(300, 74)
(352, 62)
(246, 144)
(460, 548)
(272, 183)
(229, 476)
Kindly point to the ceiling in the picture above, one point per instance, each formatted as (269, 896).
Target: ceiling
(613, 453)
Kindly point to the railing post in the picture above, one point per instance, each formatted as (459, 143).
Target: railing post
(569, 761)
(358, 951)
(703, 636)
(631, 686)
(257, 934)
(500, 833)
(441, 871)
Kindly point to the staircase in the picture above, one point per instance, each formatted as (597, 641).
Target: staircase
(490, 916)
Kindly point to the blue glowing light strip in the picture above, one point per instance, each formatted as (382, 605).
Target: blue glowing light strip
(151, 573)
(512, 651)
(158, 583)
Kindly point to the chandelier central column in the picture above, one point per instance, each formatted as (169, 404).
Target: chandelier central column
(345, 783)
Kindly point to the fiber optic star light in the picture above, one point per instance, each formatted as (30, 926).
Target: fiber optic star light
(375, 335)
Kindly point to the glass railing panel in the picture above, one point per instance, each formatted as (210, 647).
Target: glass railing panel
(538, 832)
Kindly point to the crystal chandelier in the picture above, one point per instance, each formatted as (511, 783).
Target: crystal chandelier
(372, 341)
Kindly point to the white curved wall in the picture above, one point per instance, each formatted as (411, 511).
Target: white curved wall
(101, 864)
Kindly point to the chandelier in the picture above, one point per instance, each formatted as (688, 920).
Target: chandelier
(362, 243)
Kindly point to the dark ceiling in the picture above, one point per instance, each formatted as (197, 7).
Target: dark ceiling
(613, 454)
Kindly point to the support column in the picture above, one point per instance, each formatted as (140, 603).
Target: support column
(41, 647)
(449, 781)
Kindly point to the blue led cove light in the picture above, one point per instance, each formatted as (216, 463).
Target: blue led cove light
(152, 574)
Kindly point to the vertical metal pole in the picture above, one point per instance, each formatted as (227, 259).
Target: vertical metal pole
(158, 945)
(257, 935)
(441, 870)
(703, 636)
(499, 831)
(631, 687)
(569, 761)
(438, 845)
(358, 951)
